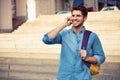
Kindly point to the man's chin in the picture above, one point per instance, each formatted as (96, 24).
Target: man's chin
(76, 26)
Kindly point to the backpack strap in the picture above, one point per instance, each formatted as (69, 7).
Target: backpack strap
(84, 44)
(85, 39)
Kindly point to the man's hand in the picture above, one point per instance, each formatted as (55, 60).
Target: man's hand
(83, 54)
(67, 22)
(53, 33)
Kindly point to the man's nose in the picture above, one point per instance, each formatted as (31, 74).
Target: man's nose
(75, 17)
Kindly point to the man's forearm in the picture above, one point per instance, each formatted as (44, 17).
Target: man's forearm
(91, 59)
(53, 33)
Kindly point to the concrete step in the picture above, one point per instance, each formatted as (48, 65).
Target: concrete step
(104, 16)
(109, 71)
(28, 37)
(27, 69)
(97, 21)
(32, 43)
(92, 26)
(46, 69)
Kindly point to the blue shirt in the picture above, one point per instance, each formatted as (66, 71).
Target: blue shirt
(71, 66)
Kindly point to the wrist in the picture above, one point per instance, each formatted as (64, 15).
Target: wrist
(62, 26)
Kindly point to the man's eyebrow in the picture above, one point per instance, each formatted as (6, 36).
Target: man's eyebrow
(76, 15)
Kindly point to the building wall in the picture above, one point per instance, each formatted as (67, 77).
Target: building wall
(7, 22)
(21, 7)
(5, 15)
(45, 7)
(91, 3)
(59, 5)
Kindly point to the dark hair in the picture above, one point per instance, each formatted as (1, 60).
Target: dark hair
(80, 8)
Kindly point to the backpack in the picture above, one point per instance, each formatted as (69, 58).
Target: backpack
(94, 68)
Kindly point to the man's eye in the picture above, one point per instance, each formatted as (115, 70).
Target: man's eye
(73, 15)
(78, 15)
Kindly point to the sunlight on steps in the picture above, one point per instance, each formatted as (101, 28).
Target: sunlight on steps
(28, 37)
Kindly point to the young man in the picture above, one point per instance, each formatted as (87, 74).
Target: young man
(73, 59)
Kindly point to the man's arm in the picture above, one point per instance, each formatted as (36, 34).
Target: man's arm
(53, 36)
(98, 57)
(53, 33)
(90, 59)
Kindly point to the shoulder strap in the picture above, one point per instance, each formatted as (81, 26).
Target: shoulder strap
(85, 42)
(85, 39)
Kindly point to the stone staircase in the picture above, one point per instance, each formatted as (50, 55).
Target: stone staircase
(106, 25)
(23, 55)
(46, 69)
(27, 69)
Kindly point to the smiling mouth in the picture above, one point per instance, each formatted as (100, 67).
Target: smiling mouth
(75, 22)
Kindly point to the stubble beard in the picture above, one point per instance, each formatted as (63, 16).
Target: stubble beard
(80, 25)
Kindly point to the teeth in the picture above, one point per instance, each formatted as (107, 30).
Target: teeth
(75, 22)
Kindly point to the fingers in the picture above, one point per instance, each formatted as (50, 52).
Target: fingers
(68, 20)
(83, 54)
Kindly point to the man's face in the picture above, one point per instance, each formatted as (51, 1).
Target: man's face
(77, 18)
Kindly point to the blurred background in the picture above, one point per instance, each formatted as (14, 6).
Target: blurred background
(15, 12)
(23, 55)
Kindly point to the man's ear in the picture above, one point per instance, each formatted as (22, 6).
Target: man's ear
(85, 18)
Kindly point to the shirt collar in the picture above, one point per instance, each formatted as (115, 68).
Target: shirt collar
(82, 31)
